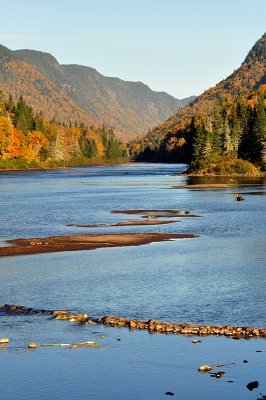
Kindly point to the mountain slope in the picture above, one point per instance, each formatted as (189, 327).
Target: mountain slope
(227, 121)
(249, 76)
(21, 78)
(130, 108)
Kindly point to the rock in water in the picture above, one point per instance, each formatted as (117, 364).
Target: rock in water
(4, 341)
(32, 345)
(252, 385)
(205, 368)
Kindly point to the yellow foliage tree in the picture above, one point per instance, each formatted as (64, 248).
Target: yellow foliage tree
(36, 144)
(6, 137)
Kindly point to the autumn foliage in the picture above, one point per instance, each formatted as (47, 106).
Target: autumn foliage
(26, 136)
(225, 122)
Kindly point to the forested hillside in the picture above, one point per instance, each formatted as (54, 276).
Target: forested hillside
(82, 94)
(28, 140)
(225, 123)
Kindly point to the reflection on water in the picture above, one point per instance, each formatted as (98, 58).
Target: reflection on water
(218, 278)
(236, 180)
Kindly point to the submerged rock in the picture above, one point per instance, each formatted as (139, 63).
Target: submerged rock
(90, 344)
(218, 374)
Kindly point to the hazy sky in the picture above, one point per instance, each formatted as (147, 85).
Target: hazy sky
(181, 47)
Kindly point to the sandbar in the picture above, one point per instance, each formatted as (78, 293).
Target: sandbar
(149, 214)
(123, 223)
(23, 246)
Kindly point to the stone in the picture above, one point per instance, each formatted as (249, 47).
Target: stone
(151, 324)
(32, 345)
(122, 322)
(256, 332)
(61, 316)
(4, 341)
(132, 324)
(205, 368)
(107, 319)
(56, 312)
(252, 385)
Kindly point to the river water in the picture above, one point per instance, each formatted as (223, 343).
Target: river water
(218, 277)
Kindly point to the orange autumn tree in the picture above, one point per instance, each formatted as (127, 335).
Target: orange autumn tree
(6, 137)
(28, 140)
(19, 144)
(37, 144)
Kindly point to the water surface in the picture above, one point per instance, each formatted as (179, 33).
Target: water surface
(217, 278)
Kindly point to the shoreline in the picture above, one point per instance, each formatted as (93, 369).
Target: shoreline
(51, 244)
(189, 175)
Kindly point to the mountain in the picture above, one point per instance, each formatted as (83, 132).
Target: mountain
(170, 141)
(75, 92)
(18, 77)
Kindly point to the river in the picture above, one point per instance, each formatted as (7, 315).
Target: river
(218, 277)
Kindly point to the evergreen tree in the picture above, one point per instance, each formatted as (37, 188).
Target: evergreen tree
(10, 105)
(23, 116)
(227, 140)
(2, 103)
(90, 148)
(258, 132)
(199, 143)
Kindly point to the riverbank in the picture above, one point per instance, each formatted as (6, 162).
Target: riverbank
(13, 166)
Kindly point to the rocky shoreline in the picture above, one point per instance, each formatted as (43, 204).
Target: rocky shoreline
(152, 326)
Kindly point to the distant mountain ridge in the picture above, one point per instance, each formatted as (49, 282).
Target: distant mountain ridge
(74, 92)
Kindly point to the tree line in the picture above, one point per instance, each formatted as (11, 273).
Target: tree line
(231, 129)
(27, 139)
(223, 136)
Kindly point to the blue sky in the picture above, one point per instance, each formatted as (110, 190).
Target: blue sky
(181, 47)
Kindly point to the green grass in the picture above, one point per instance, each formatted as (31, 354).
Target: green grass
(225, 166)
(18, 163)
(21, 164)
